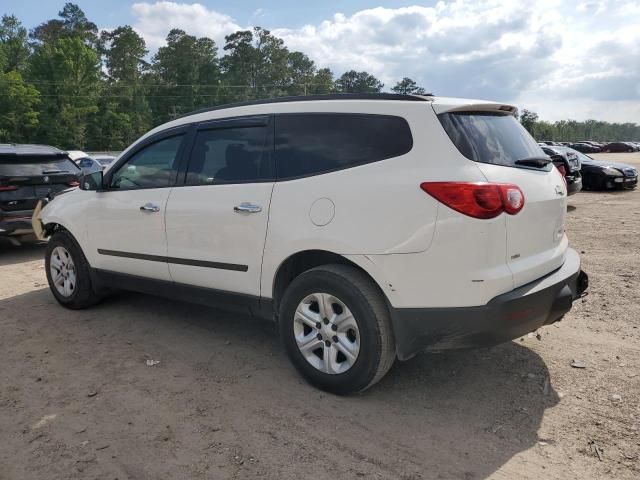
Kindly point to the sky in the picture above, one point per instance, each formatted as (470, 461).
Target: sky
(563, 59)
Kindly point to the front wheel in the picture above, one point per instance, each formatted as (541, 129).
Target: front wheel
(68, 272)
(336, 329)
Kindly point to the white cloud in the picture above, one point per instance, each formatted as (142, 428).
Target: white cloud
(561, 58)
(154, 20)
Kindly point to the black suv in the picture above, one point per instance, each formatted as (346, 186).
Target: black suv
(567, 161)
(29, 173)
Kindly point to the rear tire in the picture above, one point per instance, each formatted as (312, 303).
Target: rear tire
(348, 344)
(68, 272)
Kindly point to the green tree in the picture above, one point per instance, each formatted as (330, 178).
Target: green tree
(123, 109)
(72, 23)
(185, 75)
(14, 46)
(68, 73)
(18, 103)
(408, 87)
(358, 82)
(322, 82)
(255, 65)
(528, 120)
(124, 51)
(302, 72)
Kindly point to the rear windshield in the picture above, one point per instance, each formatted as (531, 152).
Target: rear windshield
(13, 166)
(490, 137)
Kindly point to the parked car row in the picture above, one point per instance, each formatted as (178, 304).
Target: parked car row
(596, 147)
(90, 163)
(583, 172)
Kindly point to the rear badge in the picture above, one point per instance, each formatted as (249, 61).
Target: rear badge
(559, 190)
(45, 179)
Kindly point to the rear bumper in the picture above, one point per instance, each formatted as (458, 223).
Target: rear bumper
(574, 183)
(504, 318)
(15, 225)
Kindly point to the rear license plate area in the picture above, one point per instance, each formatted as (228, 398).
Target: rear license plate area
(42, 192)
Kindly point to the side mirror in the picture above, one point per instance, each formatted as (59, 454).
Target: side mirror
(92, 181)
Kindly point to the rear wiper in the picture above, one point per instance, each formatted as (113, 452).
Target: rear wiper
(534, 161)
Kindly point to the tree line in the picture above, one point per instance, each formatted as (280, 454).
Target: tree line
(68, 84)
(573, 131)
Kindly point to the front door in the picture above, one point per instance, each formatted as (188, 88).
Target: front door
(127, 222)
(217, 220)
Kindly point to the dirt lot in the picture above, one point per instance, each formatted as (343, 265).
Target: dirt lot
(77, 399)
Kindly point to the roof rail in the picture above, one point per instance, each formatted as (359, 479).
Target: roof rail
(307, 98)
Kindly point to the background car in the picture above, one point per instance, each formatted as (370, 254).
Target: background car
(75, 155)
(616, 147)
(568, 163)
(89, 165)
(585, 148)
(104, 160)
(29, 173)
(602, 175)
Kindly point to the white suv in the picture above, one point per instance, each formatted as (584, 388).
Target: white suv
(370, 227)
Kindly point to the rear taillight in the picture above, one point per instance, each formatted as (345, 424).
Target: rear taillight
(7, 188)
(74, 183)
(563, 171)
(479, 199)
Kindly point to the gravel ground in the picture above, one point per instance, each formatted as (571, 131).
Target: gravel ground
(77, 399)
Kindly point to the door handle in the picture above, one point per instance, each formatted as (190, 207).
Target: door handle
(149, 207)
(246, 207)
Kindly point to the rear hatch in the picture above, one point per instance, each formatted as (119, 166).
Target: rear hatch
(505, 153)
(25, 179)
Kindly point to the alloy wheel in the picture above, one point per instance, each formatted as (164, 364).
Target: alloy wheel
(326, 333)
(63, 271)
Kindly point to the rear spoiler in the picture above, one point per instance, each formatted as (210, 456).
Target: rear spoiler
(475, 107)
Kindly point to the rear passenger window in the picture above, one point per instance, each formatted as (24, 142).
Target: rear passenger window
(493, 138)
(230, 155)
(309, 144)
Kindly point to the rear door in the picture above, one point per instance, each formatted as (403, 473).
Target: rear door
(25, 179)
(505, 153)
(217, 219)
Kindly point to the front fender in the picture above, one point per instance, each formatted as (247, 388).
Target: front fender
(69, 211)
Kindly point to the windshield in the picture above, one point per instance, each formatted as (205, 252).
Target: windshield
(581, 156)
(493, 138)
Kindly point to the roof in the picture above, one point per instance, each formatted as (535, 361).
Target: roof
(29, 150)
(310, 98)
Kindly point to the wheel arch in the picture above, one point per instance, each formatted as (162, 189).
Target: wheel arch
(52, 227)
(304, 260)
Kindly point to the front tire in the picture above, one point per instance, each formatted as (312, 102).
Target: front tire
(336, 329)
(68, 272)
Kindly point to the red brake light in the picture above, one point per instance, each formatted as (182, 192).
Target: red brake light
(562, 170)
(74, 183)
(478, 200)
(7, 188)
